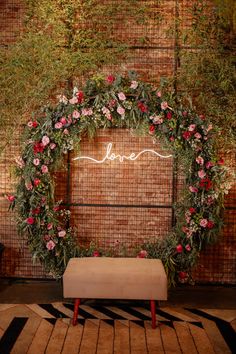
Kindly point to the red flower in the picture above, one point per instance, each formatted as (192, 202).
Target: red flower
(96, 254)
(183, 275)
(143, 108)
(36, 211)
(192, 210)
(220, 161)
(187, 135)
(34, 124)
(30, 220)
(110, 79)
(152, 129)
(37, 181)
(11, 198)
(210, 224)
(179, 248)
(38, 147)
(80, 96)
(142, 254)
(169, 115)
(205, 183)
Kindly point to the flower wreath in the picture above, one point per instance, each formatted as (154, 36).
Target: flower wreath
(117, 101)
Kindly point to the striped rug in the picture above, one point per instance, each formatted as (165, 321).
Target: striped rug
(119, 328)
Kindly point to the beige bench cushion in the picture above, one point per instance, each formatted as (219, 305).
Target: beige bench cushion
(115, 278)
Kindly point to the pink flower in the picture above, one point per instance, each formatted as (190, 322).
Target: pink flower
(202, 117)
(209, 164)
(142, 254)
(30, 220)
(45, 140)
(193, 189)
(73, 100)
(28, 186)
(66, 131)
(36, 162)
(172, 138)
(52, 146)
(201, 174)
(33, 124)
(188, 247)
(179, 248)
(63, 120)
(164, 105)
(49, 226)
(96, 254)
(120, 110)
(37, 181)
(11, 198)
(192, 127)
(75, 114)
(200, 160)
(158, 93)
(198, 136)
(121, 96)
(58, 125)
(134, 84)
(110, 79)
(30, 124)
(50, 245)
(184, 113)
(157, 119)
(87, 112)
(62, 233)
(204, 223)
(44, 169)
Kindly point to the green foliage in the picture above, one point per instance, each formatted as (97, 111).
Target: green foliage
(61, 40)
(207, 72)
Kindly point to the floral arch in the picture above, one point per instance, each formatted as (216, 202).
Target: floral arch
(117, 101)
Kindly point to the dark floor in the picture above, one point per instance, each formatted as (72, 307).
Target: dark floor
(23, 291)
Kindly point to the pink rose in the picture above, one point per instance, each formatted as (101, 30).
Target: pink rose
(142, 254)
(172, 138)
(184, 113)
(120, 110)
(62, 233)
(30, 220)
(188, 247)
(75, 114)
(121, 96)
(58, 125)
(28, 186)
(30, 124)
(87, 112)
(49, 226)
(201, 174)
(45, 140)
(193, 189)
(157, 119)
(198, 136)
(73, 100)
(96, 254)
(204, 222)
(66, 131)
(36, 162)
(52, 146)
(50, 245)
(179, 248)
(134, 84)
(192, 127)
(63, 120)
(164, 105)
(200, 160)
(11, 198)
(44, 169)
(158, 93)
(209, 164)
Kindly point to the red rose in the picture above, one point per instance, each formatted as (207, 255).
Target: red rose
(184, 114)
(205, 183)
(202, 117)
(37, 181)
(169, 115)
(110, 79)
(36, 211)
(11, 198)
(96, 254)
(152, 129)
(183, 275)
(30, 220)
(210, 224)
(187, 135)
(80, 96)
(143, 108)
(142, 254)
(38, 147)
(192, 210)
(179, 248)
(220, 161)
(35, 124)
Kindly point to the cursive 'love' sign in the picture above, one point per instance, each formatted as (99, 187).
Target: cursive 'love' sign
(109, 155)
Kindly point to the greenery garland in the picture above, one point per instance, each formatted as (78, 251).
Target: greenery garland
(123, 102)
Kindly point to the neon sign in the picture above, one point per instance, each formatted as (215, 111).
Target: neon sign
(121, 158)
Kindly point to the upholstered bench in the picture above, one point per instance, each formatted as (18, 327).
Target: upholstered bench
(115, 278)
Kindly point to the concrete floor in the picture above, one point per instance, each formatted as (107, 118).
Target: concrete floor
(23, 291)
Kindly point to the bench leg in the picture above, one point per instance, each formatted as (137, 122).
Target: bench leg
(76, 310)
(153, 312)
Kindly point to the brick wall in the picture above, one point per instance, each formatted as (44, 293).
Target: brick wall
(117, 203)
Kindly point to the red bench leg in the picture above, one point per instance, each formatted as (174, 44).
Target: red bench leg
(153, 312)
(76, 310)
